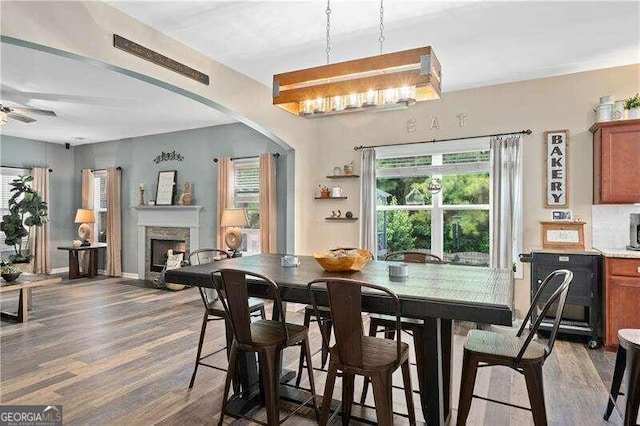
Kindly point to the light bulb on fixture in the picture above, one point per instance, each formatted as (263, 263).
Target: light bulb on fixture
(3, 118)
(353, 101)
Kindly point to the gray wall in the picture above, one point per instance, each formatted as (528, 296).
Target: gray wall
(198, 147)
(18, 152)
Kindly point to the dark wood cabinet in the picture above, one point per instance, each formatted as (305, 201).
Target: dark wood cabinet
(616, 167)
(622, 297)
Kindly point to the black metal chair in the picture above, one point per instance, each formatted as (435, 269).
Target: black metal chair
(627, 358)
(522, 354)
(268, 338)
(357, 354)
(413, 327)
(213, 309)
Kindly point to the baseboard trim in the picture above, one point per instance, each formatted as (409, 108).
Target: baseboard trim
(130, 275)
(60, 270)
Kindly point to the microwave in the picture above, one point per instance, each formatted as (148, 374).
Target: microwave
(634, 243)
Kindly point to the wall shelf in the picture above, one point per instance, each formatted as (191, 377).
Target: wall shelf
(331, 198)
(343, 177)
(342, 219)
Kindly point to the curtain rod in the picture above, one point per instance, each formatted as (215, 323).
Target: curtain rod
(216, 159)
(523, 132)
(23, 167)
(101, 170)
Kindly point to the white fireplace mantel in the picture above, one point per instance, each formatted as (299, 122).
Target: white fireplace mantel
(167, 216)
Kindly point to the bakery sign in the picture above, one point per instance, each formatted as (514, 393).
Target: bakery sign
(557, 168)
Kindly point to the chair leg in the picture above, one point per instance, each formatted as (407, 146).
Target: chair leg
(327, 397)
(270, 372)
(307, 321)
(229, 337)
(347, 397)
(373, 330)
(633, 387)
(327, 327)
(227, 383)
(382, 393)
(533, 378)
(618, 374)
(312, 385)
(263, 314)
(408, 392)
(203, 330)
(467, 383)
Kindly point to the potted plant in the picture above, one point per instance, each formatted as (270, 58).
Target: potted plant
(26, 209)
(633, 105)
(8, 271)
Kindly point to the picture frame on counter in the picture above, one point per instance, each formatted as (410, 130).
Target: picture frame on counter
(556, 168)
(562, 234)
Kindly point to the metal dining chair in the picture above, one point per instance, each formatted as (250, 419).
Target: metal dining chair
(627, 358)
(268, 338)
(522, 354)
(412, 326)
(214, 311)
(357, 354)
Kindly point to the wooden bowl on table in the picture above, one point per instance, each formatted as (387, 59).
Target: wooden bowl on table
(343, 259)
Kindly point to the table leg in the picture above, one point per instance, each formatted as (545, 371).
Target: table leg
(437, 340)
(92, 269)
(23, 305)
(74, 265)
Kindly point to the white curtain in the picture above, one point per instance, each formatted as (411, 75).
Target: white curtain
(39, 240)
(368, 231)
(505, 198)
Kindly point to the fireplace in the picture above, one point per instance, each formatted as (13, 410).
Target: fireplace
(179, 225)
(159, 249)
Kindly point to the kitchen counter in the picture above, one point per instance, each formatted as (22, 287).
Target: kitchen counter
(618, 252)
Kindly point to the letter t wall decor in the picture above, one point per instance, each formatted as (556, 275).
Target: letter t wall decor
(557, 168)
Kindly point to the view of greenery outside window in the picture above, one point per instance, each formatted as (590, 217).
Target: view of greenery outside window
(452, 223)
(246, 193)
(100, 206)
(7, 174)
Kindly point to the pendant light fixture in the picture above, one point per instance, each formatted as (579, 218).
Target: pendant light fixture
(386, 81)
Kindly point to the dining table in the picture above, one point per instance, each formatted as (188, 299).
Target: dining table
(437, 294)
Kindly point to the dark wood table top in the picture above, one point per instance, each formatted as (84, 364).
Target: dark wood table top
(438, 291)
(94, 246)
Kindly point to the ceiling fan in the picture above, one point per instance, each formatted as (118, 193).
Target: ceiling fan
(20, 114)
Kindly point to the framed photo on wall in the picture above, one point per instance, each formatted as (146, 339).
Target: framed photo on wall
(165, 191)
(556, 192)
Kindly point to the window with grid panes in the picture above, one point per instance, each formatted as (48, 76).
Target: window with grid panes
(246, 193)
(100, 206)
(7, 174)
(453, 223)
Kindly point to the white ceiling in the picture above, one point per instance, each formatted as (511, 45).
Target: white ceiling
(479, 43)
(92, 104)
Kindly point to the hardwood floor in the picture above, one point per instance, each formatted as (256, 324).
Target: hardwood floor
(113, 351)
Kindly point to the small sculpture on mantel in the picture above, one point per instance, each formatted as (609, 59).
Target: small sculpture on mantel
(185, 198)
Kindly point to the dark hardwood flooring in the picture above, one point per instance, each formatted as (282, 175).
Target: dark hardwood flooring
(118, 351)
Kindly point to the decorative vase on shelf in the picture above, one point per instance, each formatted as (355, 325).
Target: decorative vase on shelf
(141, 197)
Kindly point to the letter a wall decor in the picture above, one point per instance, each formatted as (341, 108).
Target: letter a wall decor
(557, 168)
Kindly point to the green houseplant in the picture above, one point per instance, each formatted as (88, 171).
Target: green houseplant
(632, 104)
(26, 209)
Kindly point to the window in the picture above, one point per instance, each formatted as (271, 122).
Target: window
(452, 222)
(100, 206)
(246, 193)
(7, 174)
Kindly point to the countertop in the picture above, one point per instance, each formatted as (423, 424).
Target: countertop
(618, 252)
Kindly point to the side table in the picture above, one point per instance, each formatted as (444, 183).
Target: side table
(74, 260)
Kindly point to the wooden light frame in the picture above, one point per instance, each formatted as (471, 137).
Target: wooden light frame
(416, 68)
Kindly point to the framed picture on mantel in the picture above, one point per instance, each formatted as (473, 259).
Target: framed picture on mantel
(165, 191)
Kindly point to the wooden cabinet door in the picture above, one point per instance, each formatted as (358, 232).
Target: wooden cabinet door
(622, 306)
(619, 164)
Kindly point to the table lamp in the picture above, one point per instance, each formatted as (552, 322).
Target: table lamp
(84, 217)
(232, 219)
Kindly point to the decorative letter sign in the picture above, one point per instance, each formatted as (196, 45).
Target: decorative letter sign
(557, 168)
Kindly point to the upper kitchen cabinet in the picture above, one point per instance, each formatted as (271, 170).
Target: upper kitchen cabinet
(616, 162)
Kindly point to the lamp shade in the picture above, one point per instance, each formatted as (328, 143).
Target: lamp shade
(234, 217)
(84, 216)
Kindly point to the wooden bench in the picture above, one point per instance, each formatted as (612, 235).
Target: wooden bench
(24, 282)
